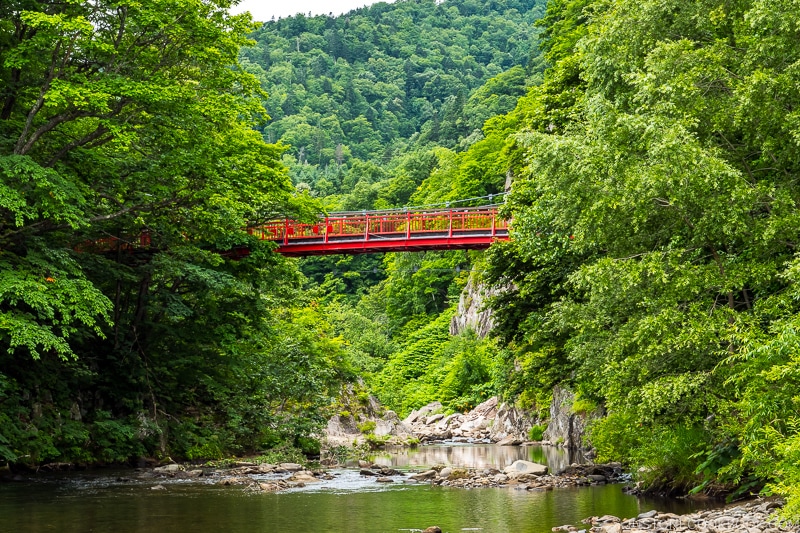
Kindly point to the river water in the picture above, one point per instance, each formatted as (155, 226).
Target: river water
(106, 502)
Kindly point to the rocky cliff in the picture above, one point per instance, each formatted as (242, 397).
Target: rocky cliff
(490, 421)
(566, 427)
(471, 313)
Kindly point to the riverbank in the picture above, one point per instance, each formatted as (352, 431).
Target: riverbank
(758, 516)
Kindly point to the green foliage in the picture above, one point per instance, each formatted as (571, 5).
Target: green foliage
(662, 456)
(283, 453)
(367, 427)
(431, 365)
(468, 378)
(536, 432)
(376, 441)
(349, 88)
(116, 121)
(655, 227)
(210, 450)
(407, 380)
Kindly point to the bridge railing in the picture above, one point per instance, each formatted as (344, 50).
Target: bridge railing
(385, 224)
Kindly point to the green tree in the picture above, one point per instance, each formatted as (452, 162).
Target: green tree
(128, 167)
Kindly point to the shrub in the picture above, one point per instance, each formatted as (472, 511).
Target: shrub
(367, 427)
(536, 432)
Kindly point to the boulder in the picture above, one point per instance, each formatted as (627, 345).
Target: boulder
(449, 422)
(390, 424)
(520, 467)
(290, 467)
(433, 419)
(473, 425)
(303, 477)
(422, 476)
(511, 421)
(168, 469)
(429, 409)
(511, 440)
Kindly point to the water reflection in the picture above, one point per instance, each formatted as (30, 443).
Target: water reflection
(46, 507)
(351, 502)
(477, 456)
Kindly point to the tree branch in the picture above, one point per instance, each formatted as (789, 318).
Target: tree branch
(101, 130)
(22, 147)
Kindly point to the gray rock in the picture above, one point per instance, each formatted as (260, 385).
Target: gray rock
(444, 472)
(303, 477)
(290, 467)
(433, 419)
(422, 476)
(565, 426)
(511, 440)
(520, 467)
(415, 416)
(471, 312)
(171, 468)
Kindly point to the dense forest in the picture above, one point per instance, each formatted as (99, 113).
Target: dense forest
(651, 149)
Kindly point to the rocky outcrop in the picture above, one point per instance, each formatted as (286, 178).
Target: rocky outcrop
(511, 425)
(429, 424)
(363, 417)
(566, 427)
(490, 421)
(471, 313)
(345, 430)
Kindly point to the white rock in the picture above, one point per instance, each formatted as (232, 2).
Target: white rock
(520, 467)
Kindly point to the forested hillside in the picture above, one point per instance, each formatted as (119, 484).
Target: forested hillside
(126, 124)
(121, 120)
(652, 149)
(654, 257)
(396, 105)
(361, 98)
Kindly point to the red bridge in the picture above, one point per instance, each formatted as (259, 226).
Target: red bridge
(472, 228)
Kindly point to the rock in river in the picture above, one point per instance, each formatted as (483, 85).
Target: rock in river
(520, 467)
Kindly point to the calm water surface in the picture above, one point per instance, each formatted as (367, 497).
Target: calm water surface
(99, 503)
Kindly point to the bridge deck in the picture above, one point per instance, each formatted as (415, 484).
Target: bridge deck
(388, 231)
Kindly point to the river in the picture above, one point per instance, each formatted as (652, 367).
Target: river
(116, 502)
